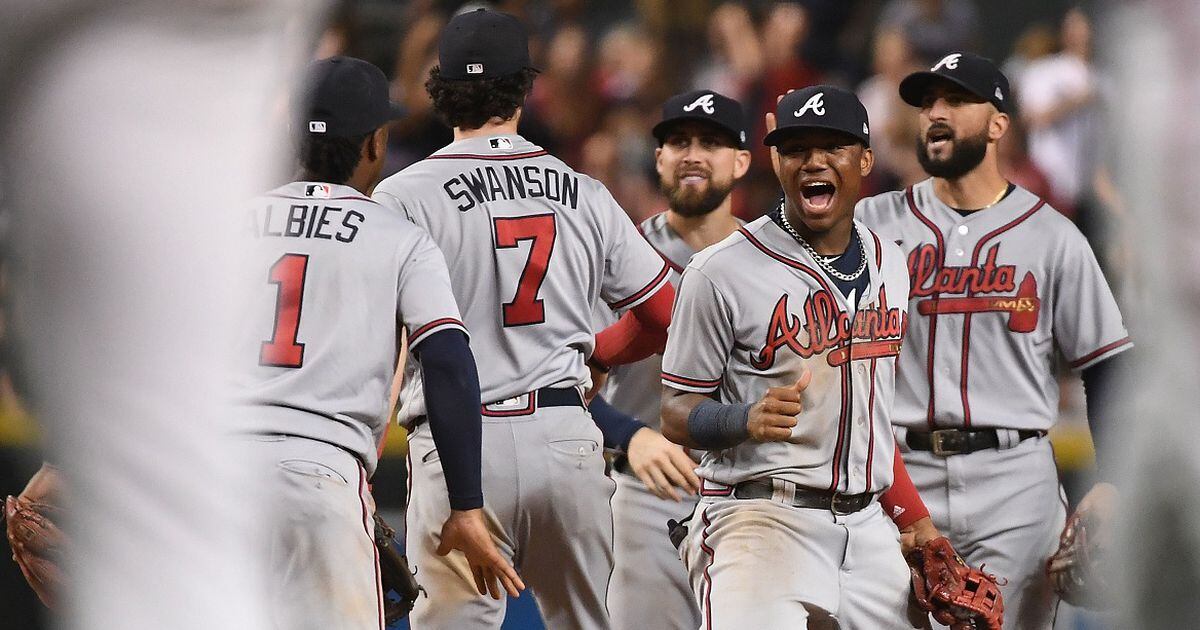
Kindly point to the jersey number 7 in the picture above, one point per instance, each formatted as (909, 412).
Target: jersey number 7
(526, 308)
(282, 349)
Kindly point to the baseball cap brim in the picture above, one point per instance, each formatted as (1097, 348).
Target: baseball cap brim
(914, 87)
(777, 136)
(661, 130)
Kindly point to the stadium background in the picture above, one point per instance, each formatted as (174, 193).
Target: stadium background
(606, 68)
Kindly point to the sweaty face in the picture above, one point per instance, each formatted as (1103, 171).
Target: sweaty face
(696, 167)
(953, 133)
(821, 173)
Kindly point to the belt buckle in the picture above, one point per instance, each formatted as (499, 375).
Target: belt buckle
(835, 500)
(938, 441)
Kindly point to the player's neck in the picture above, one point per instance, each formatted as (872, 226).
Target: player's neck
(708, 229)
(978, 189)
(831, 242)
(493, 127)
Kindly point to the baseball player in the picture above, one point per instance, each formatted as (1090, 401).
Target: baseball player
(780, 365)
(999, 279)
(335, 276)
(531, 245)
(701, 155)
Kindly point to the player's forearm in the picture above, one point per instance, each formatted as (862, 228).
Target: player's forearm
(452, 403)
(616, 427)
(638, 334)
(1101, 386)
(697, 421)
(903, 495)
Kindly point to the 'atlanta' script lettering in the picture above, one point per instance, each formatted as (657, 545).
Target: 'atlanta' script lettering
(825, 326)
(930, 279)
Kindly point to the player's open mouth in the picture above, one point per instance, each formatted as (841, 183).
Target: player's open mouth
(693, 177)
(817, 195)
(937, 138)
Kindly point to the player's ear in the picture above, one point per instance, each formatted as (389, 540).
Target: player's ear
(741, 163)
(866, 161)
(376, 145)
(998, 126)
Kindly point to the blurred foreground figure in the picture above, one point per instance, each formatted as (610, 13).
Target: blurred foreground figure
(132, 132)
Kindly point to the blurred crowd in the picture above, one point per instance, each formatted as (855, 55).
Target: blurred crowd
(606, 68)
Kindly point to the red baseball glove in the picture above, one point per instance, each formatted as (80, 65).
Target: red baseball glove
(955, 594)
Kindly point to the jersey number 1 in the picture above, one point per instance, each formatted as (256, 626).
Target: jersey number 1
(282, 350)
(525, 307)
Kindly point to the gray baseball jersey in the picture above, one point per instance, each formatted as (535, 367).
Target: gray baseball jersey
(992, 294)
(634, 388)
(334, 275)
(752, 312)
(531, 246)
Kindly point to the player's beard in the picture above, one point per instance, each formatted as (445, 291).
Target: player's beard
(967, 153)
(693, 201)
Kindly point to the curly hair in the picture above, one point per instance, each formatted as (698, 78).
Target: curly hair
(470, 104)
(330, 159)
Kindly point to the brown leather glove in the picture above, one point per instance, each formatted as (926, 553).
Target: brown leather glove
(394, 574)
(37, 545)
(955, 594)
(1076, 569)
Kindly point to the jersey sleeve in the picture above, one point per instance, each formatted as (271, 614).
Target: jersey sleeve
(426, 303)
(1087, 322)
(700, 338)
(633, 271)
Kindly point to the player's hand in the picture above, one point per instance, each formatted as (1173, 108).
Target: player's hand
(661, 465)
(917, 534)
(1098, 507)
(466, 531)
(769, 119)
(772, 418)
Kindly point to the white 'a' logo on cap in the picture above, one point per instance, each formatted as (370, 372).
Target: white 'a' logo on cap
(999, 94)
(704, 102)
(949, 61)
(816, 103)
(474, 68)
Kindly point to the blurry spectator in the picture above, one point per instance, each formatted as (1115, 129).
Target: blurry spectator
(629, 65)
(785, 27)
(1058, 99)
(564, 96)
(1018, 168)
(1035, 42)
(891, 118)
(621, 156)
(935, 27)
(735, 59)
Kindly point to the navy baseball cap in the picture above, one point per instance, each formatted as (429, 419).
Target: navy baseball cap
(345, 97)
(482, 44)
(820, 107)
(705, 106)
(975, 74)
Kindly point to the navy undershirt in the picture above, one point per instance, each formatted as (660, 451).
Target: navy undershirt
(847, 262)
(452, 396)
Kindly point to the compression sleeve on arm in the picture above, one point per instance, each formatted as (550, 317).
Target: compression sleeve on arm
(638, 334)
(618, 428)
(452, 400)
(903, 495)
(715, 426)
(1101, 383)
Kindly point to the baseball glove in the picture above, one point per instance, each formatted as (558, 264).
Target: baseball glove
(955, 594)
(37, 545)
(1076, 569)
(394, 574)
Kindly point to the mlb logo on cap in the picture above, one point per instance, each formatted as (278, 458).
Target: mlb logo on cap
(474, 68)
(316, 126)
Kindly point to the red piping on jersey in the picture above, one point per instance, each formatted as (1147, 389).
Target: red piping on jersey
(445, 321)
(368, 518)
(619, 304)
(473, 156)
(1092, 355)
(690, 382)
(941, 247)
(795, 264)
(871, 426)
(878, 251)
(712, 557)
(966, 335)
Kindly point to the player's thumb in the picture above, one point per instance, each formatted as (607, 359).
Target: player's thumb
(444, 547)
(803, 381)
